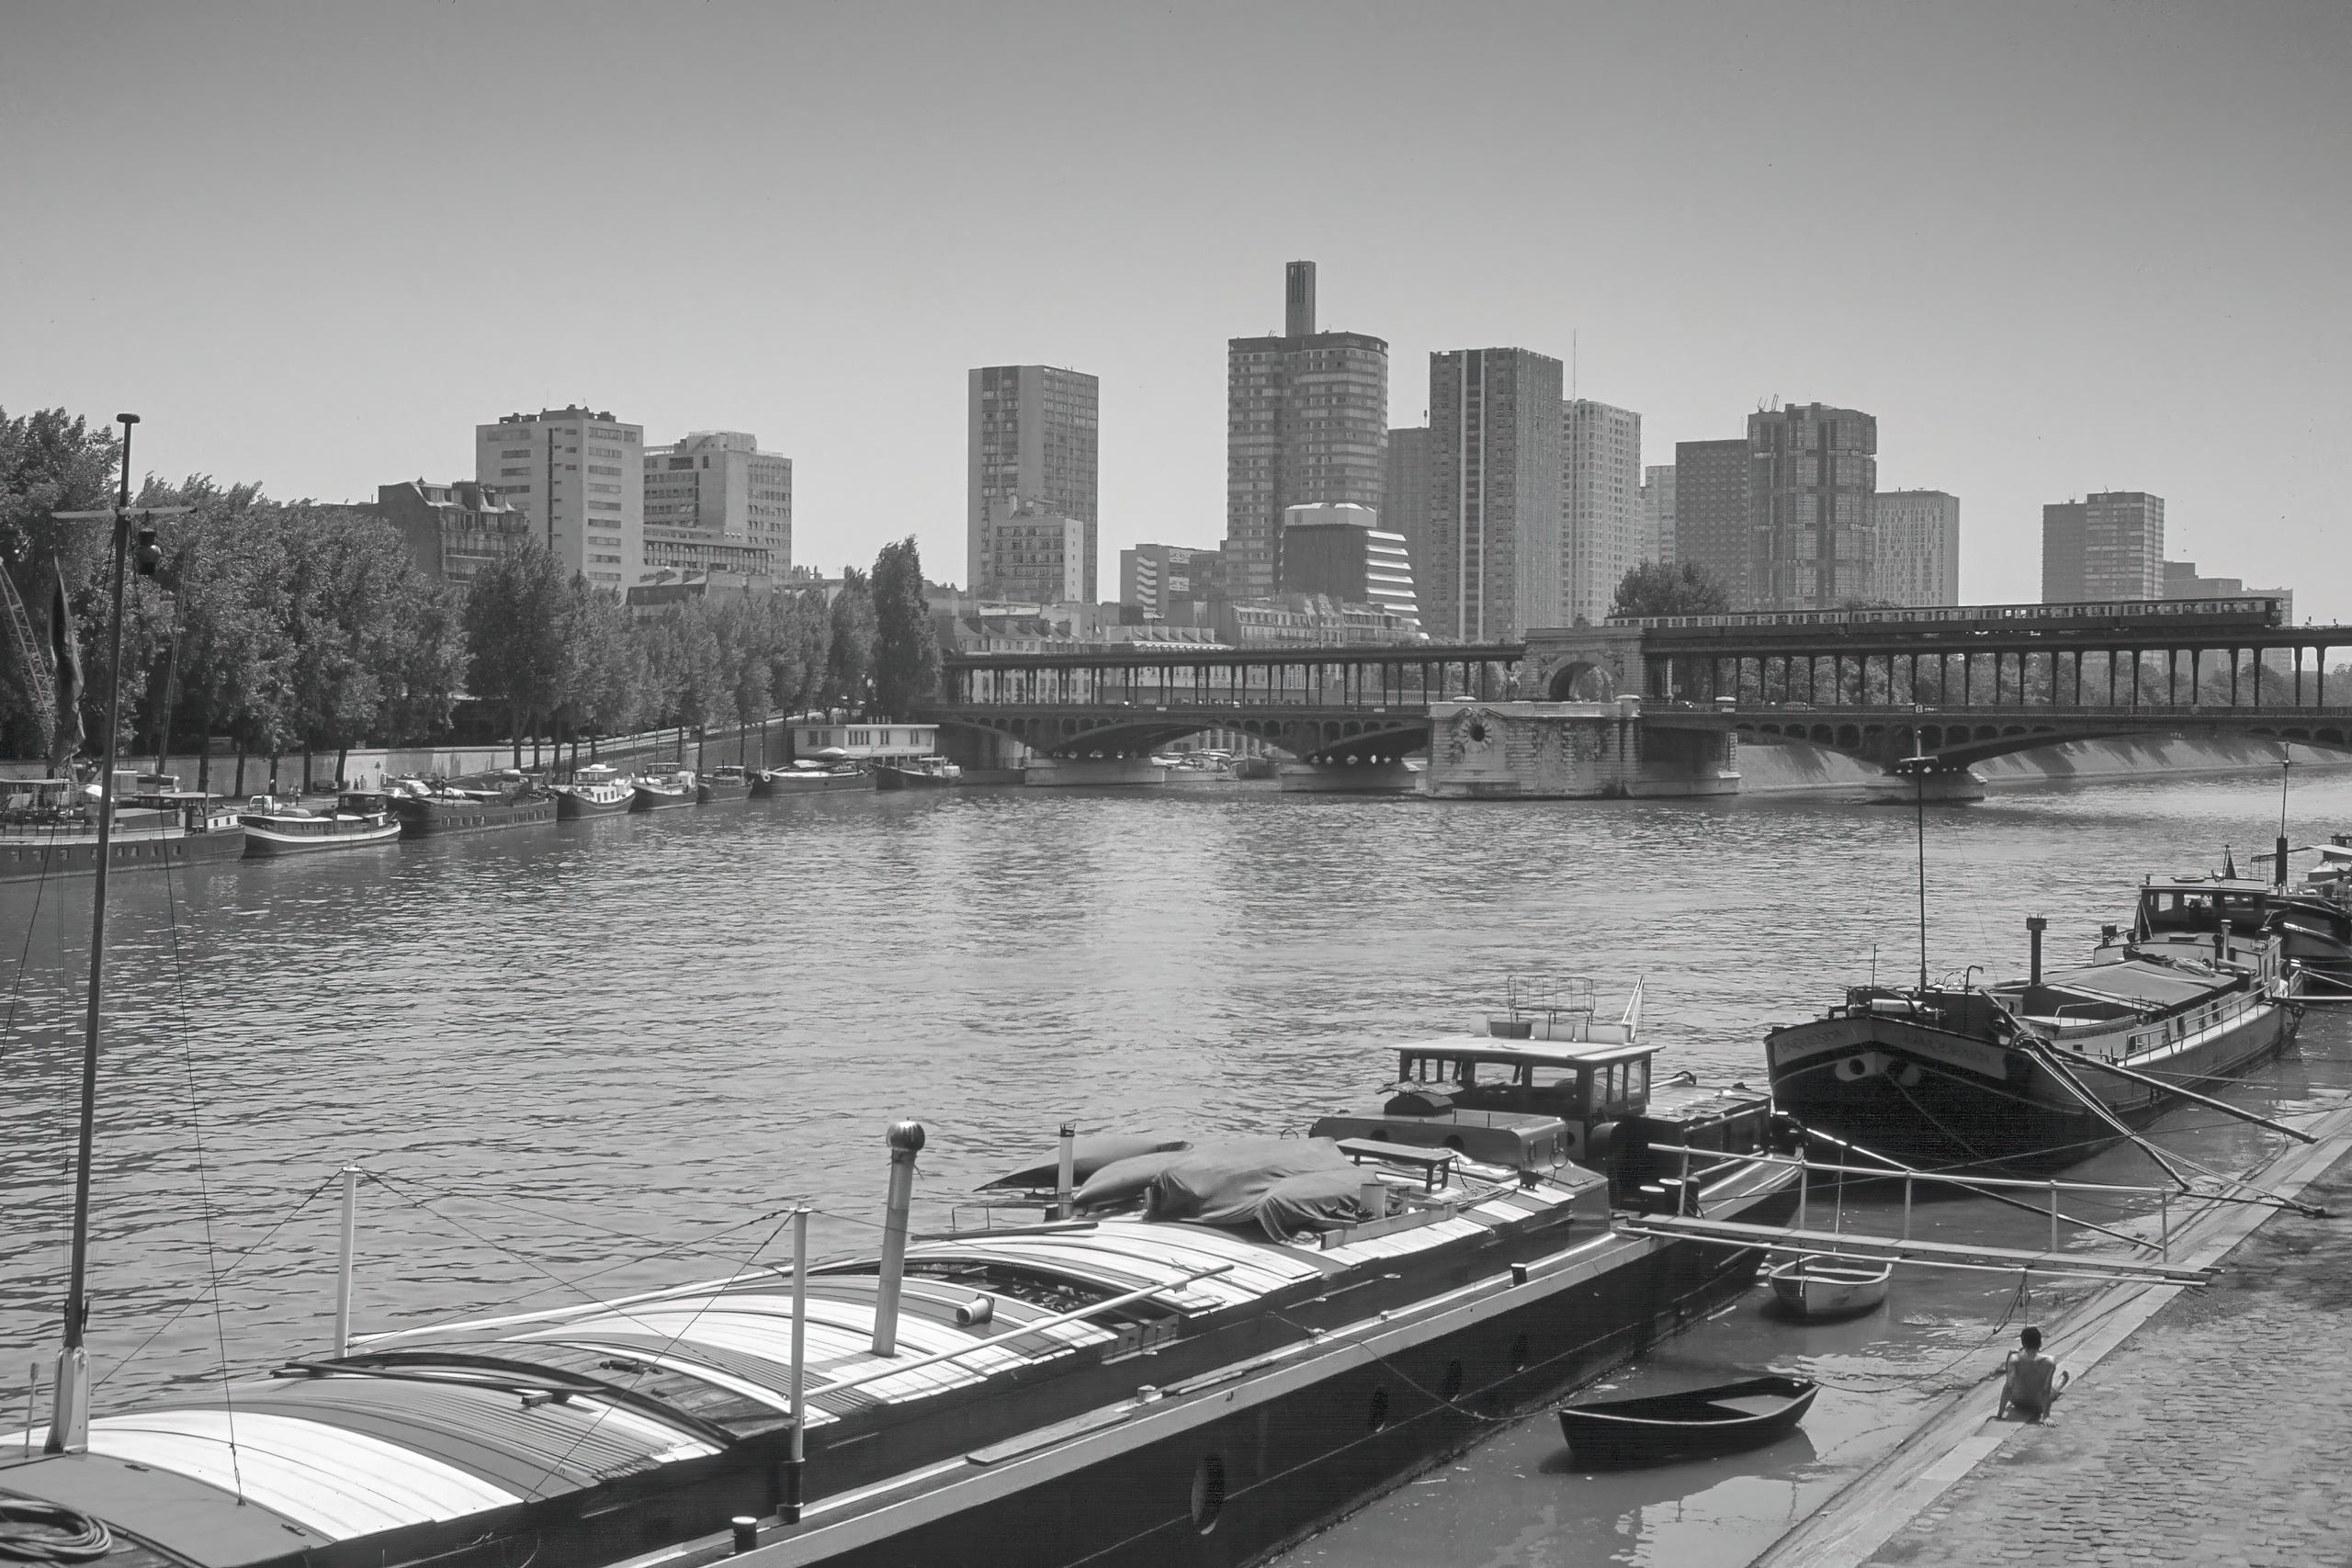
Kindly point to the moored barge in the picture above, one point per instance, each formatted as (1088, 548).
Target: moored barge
(435, 810)
(596, 790)
(47, 830)
(1217, 1351)
(357, 820)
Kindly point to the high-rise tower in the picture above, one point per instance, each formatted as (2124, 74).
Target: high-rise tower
(1492, 567)
(1034, 435)
(1306, 421)
(1601, 500)
(580, 476)
(1811, 543)
(2107, 545)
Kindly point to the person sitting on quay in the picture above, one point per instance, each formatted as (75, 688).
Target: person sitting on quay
(2031, 1381)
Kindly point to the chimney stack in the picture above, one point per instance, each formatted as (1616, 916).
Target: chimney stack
(1298, 300)
(906, 1142)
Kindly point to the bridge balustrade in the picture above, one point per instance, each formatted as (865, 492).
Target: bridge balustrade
(1306, 679)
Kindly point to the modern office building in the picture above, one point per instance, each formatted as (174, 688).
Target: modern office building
(453, 531)
(1307, 420)
(1160, 578)
(1342, 553)
(1492, 569)
(580, 477)
(1657, 513)
(715, 502)
(2109, 545)
(2182, 581)
(1034, 433)
(1918, 546)
(1812, 470)
(1601, 507)
(1404, 497)
(1031, 553)
(1711, 513)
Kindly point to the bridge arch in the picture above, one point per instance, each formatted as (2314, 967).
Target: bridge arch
(1581, 681)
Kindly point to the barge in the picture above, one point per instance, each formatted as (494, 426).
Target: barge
(596, 790)
(435, 810)
(47, 830)
(357, 820)
(1197, 1356)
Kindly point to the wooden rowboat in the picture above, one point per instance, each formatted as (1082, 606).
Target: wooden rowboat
(1813, 1287)
(1700, 1421)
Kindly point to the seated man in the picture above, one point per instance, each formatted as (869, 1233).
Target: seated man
(2031, 1381)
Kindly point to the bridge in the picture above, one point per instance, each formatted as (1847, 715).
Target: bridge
(1960, 685)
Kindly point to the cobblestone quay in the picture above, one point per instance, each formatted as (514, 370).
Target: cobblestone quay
(2220, 1434)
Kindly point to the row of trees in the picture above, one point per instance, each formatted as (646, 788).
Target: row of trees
(297, 627)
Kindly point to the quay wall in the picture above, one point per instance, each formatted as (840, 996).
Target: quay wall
(1767, 769)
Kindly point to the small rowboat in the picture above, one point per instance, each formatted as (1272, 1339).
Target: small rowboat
(1721, 1419)
(1813, 1287)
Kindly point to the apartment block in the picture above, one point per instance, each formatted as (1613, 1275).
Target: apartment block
(1494, 557)
(1405, 493)
(1341, 553)
(2105, 546)
(454, 530)
(1657, 513)
(1034, 433)
(1601, 507)
(579, 477)
(1812, 471)
(1030, 554)
(714, 501)
(1711, 513)
(1307, 420)
(1918, 546)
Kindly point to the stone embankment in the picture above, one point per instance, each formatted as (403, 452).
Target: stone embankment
(2207, 1425)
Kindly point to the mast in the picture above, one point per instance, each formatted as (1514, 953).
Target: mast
(70, 1419)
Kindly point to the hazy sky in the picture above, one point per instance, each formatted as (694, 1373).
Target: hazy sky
(2054, 248)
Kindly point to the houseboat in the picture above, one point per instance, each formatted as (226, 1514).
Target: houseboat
(2037, 1072)
(917, 772)
(595, 790)
(2314, 931)
(276, 825)
(809, 777)
(1197, 1356)
(660, 791)
(49, 828)
(723, 783)
(432, 808)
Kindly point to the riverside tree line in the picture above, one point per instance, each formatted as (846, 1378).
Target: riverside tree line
(293, 626)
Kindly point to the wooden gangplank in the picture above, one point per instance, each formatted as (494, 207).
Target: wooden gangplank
(1894, 1249)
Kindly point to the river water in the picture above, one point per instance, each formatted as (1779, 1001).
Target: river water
(561, 1051)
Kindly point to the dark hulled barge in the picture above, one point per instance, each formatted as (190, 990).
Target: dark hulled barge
(1225, 1349)
(48, 828)
(2040, 1072)
(429, 808)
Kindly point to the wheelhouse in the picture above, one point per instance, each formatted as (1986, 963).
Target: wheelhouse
(1585, 1083)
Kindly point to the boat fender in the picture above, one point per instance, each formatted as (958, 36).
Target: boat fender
(980, 1309)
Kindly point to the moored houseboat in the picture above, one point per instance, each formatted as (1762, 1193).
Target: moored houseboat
(723, 783)
(2037, 1072)
(1200, 1355)
(433, 808)
(277, 826)
(2314, 931)
(809, 777)
(660, 791)
(596, 790)
(917, 772)
(50, 827)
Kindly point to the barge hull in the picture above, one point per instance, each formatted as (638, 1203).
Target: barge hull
(34, 859)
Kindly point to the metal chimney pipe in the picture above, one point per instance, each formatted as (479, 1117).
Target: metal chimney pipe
(2278, 864)
(2034, 926)
(906, 1142)
(1065, 1179)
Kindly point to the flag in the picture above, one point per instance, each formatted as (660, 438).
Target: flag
(2229, 864)
(65, 663)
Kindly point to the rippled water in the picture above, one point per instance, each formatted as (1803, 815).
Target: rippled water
(561, 1050)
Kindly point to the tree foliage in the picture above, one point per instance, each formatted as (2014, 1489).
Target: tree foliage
(906, 647)
(849, 661)
(1689, 589)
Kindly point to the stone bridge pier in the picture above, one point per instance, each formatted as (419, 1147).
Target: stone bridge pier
(1571, 750)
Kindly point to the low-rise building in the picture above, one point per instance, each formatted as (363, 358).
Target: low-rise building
(453, 530)
(1339, 553)
(668, 589)
(880, 740)
(1311, 620)
(1158, 578)
(2182, 581)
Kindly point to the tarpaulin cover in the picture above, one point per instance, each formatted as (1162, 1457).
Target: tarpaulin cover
(1123, 1179)
(1318, 1201)
(1090, 1153)
(1224, 1183)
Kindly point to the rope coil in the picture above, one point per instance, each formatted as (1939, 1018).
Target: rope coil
(50, 1532)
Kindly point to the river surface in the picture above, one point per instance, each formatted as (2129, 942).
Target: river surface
(561, 1051)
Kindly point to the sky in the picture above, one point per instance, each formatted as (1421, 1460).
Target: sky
(2054, 248)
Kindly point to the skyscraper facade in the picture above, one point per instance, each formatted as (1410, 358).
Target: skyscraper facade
(1657, 513)
(1812, 471)
(1918, 546)
(715, 502)
(1307, 420)
(1711, 512)
(1493, 563)
(580, 476)
(1600, 501)
(1404, 497)
(2104, 547)
(1034, 432)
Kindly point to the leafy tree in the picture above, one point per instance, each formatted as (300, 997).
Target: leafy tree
(801, 649)
(50, 461)
(906, 648)
(1689, 589)
(519, 634)
(849, 661)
